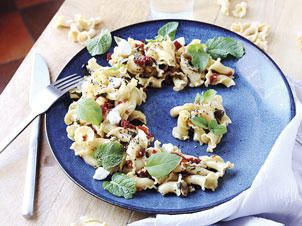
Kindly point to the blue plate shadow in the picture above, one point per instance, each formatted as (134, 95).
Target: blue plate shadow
(260, 106)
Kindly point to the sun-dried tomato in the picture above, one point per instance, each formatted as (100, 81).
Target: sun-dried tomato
(188, 159)
(213, 78)
(141, 153)
(108, 56)
(125, 124)
(177, 45)
(128, 164)
(143, 60)
(107, 106)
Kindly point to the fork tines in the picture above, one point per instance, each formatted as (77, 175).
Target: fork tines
(67, 83)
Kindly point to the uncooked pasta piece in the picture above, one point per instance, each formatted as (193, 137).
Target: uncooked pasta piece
(88, 221)
(299, 39)
(240, 10)
(80, 29)
(255, 32)
(224, 6)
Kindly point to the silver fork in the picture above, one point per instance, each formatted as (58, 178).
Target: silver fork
(43, 101)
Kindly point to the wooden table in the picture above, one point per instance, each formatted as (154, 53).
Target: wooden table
(60, 201)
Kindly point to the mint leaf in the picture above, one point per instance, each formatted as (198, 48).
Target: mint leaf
(197, 98)
(200, 58)
(216, 128)
(89, 111)
(109, 155)
(200, 121)
(220, 130)
(168, 29)
(99, 44)
(161, 164)
(120, 185)
(221, 47)
(208, 96)
(211, 125)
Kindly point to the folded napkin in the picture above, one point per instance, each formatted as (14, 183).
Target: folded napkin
(275, 195)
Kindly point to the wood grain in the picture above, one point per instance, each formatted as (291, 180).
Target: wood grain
(60, 201)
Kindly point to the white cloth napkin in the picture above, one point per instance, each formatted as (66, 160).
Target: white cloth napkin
(275, 195)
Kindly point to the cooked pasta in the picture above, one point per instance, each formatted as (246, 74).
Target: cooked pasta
(154, 62)
(199, 116)
(114, 92)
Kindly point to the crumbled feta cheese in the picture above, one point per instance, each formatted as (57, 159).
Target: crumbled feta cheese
(114, 82)
(114, 117)
(168, 147)
(100, 174)
(123, 46)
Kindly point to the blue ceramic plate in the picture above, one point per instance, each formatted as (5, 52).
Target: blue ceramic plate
(260, 106)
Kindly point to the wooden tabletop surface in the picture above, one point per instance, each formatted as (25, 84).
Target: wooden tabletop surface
(59, 201)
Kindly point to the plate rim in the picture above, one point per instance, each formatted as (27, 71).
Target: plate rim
(185, 209)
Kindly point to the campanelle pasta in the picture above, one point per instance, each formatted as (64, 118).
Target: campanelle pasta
(202, 111)
(153, 63)
(118, 90)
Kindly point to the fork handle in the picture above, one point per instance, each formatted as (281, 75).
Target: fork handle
(11, 137)
(31, 170)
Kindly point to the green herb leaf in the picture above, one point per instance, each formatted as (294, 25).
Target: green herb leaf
(109, 155)
(200, 121)
(197, 98)
(208, 96)
(100, 44)
(120, 185)
(89, 111)
(161, 164)
(216, 128)
(221, 47)
(168, 29)
(200, 58)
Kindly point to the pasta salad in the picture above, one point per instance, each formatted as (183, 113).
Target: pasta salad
(111, 134)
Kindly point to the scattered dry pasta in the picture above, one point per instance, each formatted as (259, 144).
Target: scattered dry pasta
(88, 221)
(80, 29)
(225, 6)
(240, 10)
(255, 32)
